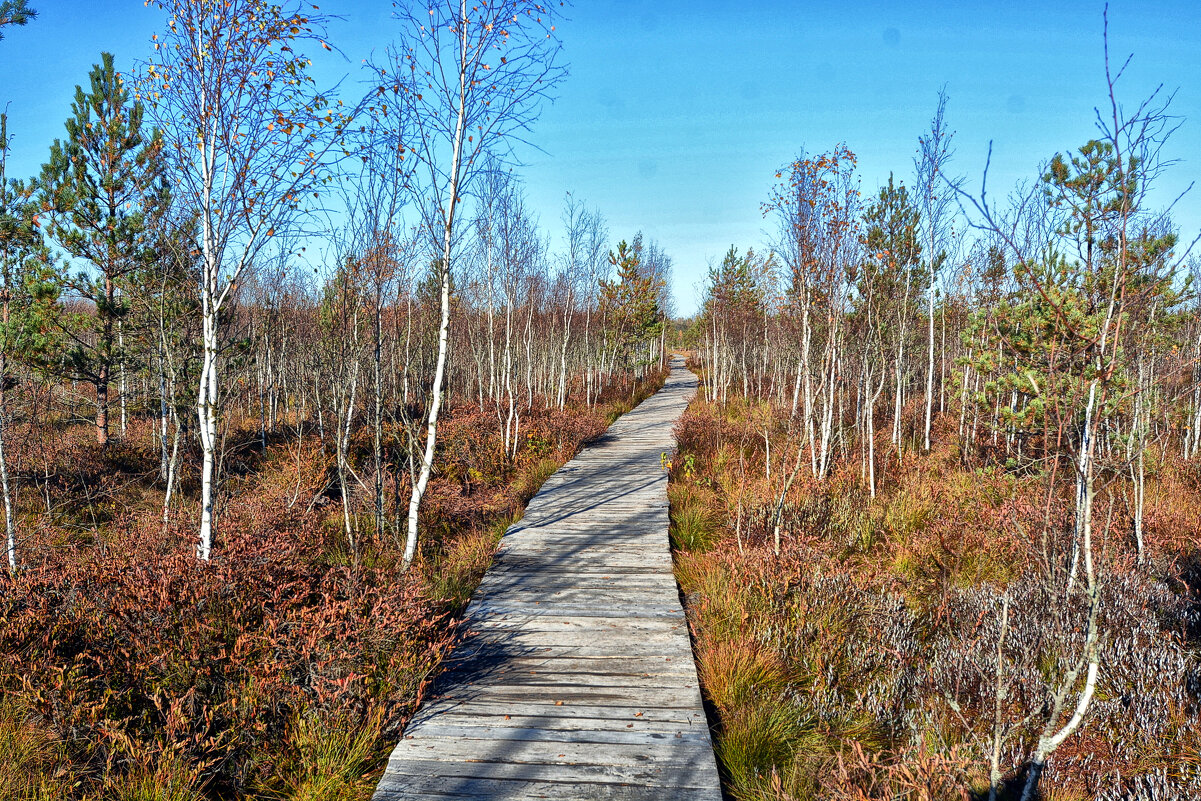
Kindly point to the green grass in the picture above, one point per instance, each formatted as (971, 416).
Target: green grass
(168, 781)
(694, 521)
(760, 744)
(32, 759)
(332, 759)
(461, 565)
(532, 478)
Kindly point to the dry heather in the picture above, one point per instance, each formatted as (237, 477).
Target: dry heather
(283, 669)
(862, 661)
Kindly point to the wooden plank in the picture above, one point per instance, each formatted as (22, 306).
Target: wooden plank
(535, 731)
(588, 603)
(552, 726)
(531, 695)
(614, 714)
(541, 685)
(566, 662)
(652, 585)
(574, 645)
(577, 610)
(576, 679)
(541, 751)
(613, 616)
(656, 580)
(679, 775)
(466, 788)
(526, 563)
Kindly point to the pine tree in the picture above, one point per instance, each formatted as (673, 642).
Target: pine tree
(15, 12)
(103, 191)
(894, 278)
(631, 304)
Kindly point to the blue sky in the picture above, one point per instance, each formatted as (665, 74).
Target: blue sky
(676, 115)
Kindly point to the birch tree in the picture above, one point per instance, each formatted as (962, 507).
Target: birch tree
(817, 207)
(586, 234)
(249, 134)
(164, 323)
(341, 318)
(467, 80)
(935, 198)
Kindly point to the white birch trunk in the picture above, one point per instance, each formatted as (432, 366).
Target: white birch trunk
(427, 459)
(10, 528)
(206, 411)
(930, 360)
(435, 406)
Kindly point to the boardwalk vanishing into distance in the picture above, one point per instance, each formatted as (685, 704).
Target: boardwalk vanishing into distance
(577, 680)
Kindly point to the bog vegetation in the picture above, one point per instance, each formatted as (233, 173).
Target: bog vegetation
(936, 510)
(277, 368)
(278, 365)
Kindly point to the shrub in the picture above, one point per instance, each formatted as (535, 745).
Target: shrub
(288, 665)
(860, 662)
(150, 653)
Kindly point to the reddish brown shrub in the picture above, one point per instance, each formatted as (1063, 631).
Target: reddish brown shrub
(140, 650)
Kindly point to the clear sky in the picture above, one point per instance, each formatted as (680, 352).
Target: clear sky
(676, 115)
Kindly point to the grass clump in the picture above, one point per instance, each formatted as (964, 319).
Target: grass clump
(761, 746)
(460, 565)
(694, 519)
(530, 480)
(165, 780)
(32, 758)
(737, 673)
(332, 759)
(764, 729)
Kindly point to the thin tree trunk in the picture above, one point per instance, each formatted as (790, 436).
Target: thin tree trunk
(930, 361)
(10, 528)
(377, 427)
(206, 411)
(121, 377)
(427, 461)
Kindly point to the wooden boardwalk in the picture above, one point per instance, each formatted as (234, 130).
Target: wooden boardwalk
(577, 681)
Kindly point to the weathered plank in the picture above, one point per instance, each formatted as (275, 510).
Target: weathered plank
(683, 777)
(535, 731)
(576, 680)
(599, 716)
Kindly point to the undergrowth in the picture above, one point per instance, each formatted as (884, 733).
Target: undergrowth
(860, 662)
(284, 669)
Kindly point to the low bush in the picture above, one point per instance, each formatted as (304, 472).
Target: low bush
(286, 667)
(861, 661)
(142, 653)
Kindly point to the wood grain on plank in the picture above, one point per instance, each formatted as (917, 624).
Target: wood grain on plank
(576, 680)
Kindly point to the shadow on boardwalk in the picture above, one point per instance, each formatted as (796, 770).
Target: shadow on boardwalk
(576, 680)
